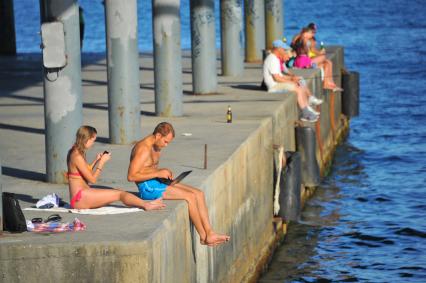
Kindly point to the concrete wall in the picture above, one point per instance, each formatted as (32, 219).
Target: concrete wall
(243, 186)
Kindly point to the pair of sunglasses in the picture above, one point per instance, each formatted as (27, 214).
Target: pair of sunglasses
(51, 218)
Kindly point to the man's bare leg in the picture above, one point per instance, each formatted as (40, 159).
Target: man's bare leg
(211, 236)
(174, 193)
(302, 100)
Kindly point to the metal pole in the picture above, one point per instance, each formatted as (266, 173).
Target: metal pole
(63, 108)
(203, 43)
(274, 21)
(123, 71)
(167, 57)
(255, 29)
(232, 37)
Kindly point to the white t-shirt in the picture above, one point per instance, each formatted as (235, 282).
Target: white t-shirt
(271, 66)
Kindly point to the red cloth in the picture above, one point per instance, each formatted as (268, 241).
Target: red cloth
(303, 61)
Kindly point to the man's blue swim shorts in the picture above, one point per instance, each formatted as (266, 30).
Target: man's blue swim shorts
(151, 189)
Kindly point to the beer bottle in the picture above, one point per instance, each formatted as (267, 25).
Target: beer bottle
(229, 115)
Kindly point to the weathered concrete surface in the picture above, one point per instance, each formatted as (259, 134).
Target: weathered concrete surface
(151, 246)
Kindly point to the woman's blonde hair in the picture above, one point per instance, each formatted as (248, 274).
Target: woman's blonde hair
(84, 133)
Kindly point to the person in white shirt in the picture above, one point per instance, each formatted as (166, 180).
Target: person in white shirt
(279, 79)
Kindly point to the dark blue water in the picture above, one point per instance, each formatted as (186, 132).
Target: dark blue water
(366, 222)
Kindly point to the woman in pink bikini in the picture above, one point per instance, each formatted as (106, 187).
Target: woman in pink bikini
(302, 45)
(80, 174)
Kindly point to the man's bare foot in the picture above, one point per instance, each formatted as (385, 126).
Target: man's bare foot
(213, 239)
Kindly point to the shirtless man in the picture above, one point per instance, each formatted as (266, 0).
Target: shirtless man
(144, 171)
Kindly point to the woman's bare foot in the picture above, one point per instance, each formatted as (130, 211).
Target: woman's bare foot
(330, 86)
(213, 239)
(155, 204)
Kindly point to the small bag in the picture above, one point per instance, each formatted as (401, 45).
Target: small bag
(13, 218)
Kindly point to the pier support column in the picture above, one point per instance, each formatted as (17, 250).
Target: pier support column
(274, 19)
(203, 47)
(167, 57)
(232, 37)
(123, 71)
(255, 29)
(7, 28)
(63, 108)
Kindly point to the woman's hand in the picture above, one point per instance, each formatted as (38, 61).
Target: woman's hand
(105, 157)
(98, 156)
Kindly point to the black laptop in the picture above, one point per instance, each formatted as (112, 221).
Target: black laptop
(176, 180)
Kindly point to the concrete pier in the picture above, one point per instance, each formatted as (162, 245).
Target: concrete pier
(123, 71)
(62, 90)
(161, 246)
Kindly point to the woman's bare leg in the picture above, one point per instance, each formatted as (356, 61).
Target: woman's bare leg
(322, 61)
(94, 198)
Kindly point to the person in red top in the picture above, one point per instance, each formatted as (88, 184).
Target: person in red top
(302, 44)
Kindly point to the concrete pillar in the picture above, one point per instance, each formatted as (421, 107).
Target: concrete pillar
(274, 20)
(7, 28)
(123, 71)
(255, 29)
(167, 57)
(204, 74)
(232, 37)
(63, 108)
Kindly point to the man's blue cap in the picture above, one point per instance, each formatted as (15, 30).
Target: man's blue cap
(280, 44)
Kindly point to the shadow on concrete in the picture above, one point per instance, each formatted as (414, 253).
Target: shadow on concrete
(191, 166)
(150, 87)
(25, 97)
(145, 69)
(23, 174)
(248, 87)
(102, 140)
(26, 198)
(42, 131)
(230, 100)
(93, 82)
(19, 104)
(22, 129)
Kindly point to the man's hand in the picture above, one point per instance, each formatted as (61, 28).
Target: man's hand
(165, 173)
(154, 205)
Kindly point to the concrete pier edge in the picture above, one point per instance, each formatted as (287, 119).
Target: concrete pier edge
(238, 186)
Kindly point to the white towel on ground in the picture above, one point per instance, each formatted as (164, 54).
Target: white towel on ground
(93, 211)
